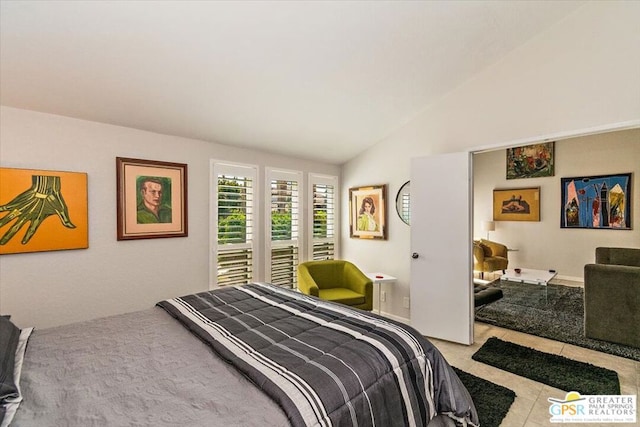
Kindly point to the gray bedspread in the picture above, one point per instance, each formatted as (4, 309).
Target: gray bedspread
(137, 369)
(324, 363)
(146, 369)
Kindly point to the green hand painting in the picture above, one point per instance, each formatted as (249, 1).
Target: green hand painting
(35, 205)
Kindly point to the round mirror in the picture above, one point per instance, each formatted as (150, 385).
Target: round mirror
(403, 203)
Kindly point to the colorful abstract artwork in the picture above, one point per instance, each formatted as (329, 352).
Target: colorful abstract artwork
(602, 202)
(530, 161)
(42, 210)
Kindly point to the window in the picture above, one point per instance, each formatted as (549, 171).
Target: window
(234, 214)
(258, 232)
(323, 221)
(284, 227)
(406, 208)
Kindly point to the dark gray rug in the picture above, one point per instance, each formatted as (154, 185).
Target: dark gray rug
(552, 311)
(492, 401)
(551, 369)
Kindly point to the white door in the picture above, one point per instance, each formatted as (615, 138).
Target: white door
(441, 286)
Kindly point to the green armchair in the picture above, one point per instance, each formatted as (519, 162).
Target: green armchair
(612, 296)
(337, 281)
(489, 256)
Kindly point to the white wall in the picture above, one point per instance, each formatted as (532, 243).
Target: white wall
(51, 288)
(544, 245)
(580, 74)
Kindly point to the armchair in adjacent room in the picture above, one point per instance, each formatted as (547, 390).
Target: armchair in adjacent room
(489, 256)
(612, 296)
(337, 281)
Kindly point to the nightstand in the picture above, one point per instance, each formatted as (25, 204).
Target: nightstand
(379, 279)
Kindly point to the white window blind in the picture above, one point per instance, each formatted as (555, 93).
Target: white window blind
(284, 194)
(406, 207)
(323, 242)
(235, 224)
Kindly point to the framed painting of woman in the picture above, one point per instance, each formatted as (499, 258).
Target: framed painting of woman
(368, 212)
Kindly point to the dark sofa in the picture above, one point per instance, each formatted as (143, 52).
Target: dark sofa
(612, 296)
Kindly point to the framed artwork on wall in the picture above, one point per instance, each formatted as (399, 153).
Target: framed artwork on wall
(516, 204)
(42, 210)
(530, 161)
(599, 202)
(151, 199)
(368, 212)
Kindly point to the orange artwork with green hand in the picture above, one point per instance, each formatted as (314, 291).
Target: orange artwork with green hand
(42, 210)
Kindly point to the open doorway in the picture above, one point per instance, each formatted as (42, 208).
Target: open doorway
(543, 244)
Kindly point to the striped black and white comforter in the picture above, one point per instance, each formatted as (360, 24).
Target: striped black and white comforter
(326, 364)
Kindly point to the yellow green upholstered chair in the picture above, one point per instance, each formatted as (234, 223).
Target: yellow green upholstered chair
(337, 281)
(489, 256)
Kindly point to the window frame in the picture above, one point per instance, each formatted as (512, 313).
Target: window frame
(217, 168)
(329, 180)
(279, 174)
(261, 244)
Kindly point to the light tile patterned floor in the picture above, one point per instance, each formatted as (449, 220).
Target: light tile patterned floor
(531, 407)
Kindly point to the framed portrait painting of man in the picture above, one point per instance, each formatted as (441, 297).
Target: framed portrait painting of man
(42, 210)
(368, 212)
(151, 199)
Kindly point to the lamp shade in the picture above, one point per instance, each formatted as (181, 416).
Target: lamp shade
(489, 226)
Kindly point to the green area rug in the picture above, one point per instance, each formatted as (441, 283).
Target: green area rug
(554, 311)
(551, 369)
(492, 401)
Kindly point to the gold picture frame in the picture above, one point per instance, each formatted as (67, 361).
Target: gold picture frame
(151, 199)
(368, 212)
(516, 204)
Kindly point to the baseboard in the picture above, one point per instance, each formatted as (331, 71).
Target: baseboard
(570, 278)
(396, 318)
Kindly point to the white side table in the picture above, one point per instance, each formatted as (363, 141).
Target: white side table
(379, 279)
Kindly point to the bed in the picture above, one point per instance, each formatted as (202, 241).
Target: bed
(251, 355)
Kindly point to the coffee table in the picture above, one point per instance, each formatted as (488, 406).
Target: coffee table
(529, 275)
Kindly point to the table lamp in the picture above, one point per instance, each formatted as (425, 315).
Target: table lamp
(488, 226)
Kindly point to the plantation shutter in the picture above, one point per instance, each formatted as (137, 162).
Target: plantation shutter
(405, 207)
(284, 194)
(234, 224)
(323, 207)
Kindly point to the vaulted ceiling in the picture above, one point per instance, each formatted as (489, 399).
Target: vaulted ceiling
(312, 79)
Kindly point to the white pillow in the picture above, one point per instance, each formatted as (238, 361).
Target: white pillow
(11, 406)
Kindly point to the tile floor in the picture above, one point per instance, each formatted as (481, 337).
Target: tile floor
(531, 408)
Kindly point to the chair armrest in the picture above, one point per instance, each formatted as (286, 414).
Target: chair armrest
(617, 286)
(478, 253)
(358, 281)
(306, 284)
(612, 278)
(497, 249)
(612, 303)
